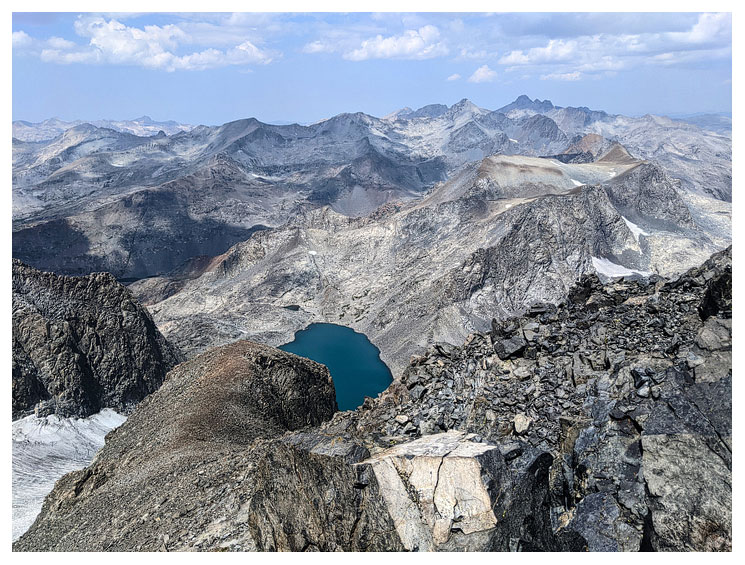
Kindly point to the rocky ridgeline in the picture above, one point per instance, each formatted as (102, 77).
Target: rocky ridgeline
(627, 386)
(227, 455)
(601, 424)
(81, 344)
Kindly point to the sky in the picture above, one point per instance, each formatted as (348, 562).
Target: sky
(202, 68)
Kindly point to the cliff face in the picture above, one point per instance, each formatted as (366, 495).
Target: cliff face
(81, 344)
(601, 424)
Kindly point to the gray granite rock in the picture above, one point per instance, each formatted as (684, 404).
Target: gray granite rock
(81, 344)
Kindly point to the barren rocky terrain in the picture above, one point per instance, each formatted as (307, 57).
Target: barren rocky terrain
(601, 424)
(550, 287)
(502, 234)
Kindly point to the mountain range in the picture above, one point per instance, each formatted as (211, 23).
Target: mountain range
(52, 127)
(465, 205)
(538, 400)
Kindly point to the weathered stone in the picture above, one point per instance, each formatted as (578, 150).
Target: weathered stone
(521, 423)
(692, 494)
(613, 430)
(510, 348)
(81, 344)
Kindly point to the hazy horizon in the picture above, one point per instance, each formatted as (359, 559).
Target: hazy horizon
(279, 121)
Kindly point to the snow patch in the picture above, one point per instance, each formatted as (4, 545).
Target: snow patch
(46, 448)
(636, 230)
(610, 269)
(512, 140)
(576, 182)
(312, 252)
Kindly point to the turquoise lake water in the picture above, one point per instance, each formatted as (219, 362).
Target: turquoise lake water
(354, 362)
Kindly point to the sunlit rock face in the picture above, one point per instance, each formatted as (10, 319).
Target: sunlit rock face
(453, 480)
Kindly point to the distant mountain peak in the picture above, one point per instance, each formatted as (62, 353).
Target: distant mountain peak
(463, 103)
(428, 111)
(524, 102)
(400, 113)
(465, 106)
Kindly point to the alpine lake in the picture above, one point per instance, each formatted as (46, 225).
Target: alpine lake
(353, 361)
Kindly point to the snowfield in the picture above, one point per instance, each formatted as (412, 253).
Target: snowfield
(610, 269)
(636, 230)
(46, 448)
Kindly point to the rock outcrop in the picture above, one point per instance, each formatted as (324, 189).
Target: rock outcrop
(627, 386)
(601, 424)
(81, 344)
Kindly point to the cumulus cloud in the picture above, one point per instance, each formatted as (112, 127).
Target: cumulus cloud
(708, 28)
(21, 39)
(534, 45)
(151, 47)
(483, 74)
(556, 50)
(455, 76)
(709, 38)
(422, 43)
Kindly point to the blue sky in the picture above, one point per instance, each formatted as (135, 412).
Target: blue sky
(213, 68)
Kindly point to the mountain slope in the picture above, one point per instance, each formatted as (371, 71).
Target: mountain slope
(82, 183)
(487, 243)
(81, 344)
(603, 424)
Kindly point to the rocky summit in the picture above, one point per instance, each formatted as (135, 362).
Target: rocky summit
(81, 344)
(602, 423)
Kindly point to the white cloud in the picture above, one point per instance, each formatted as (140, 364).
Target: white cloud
(21, 39)
(412, 44)
(555, 50)
(709, 28)
(483, 74)
(466, 53)
(576, 75)
(152, 47)
(60, 43)
(543, 46)
(455, 76)
(318, 47)
(708, 39)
